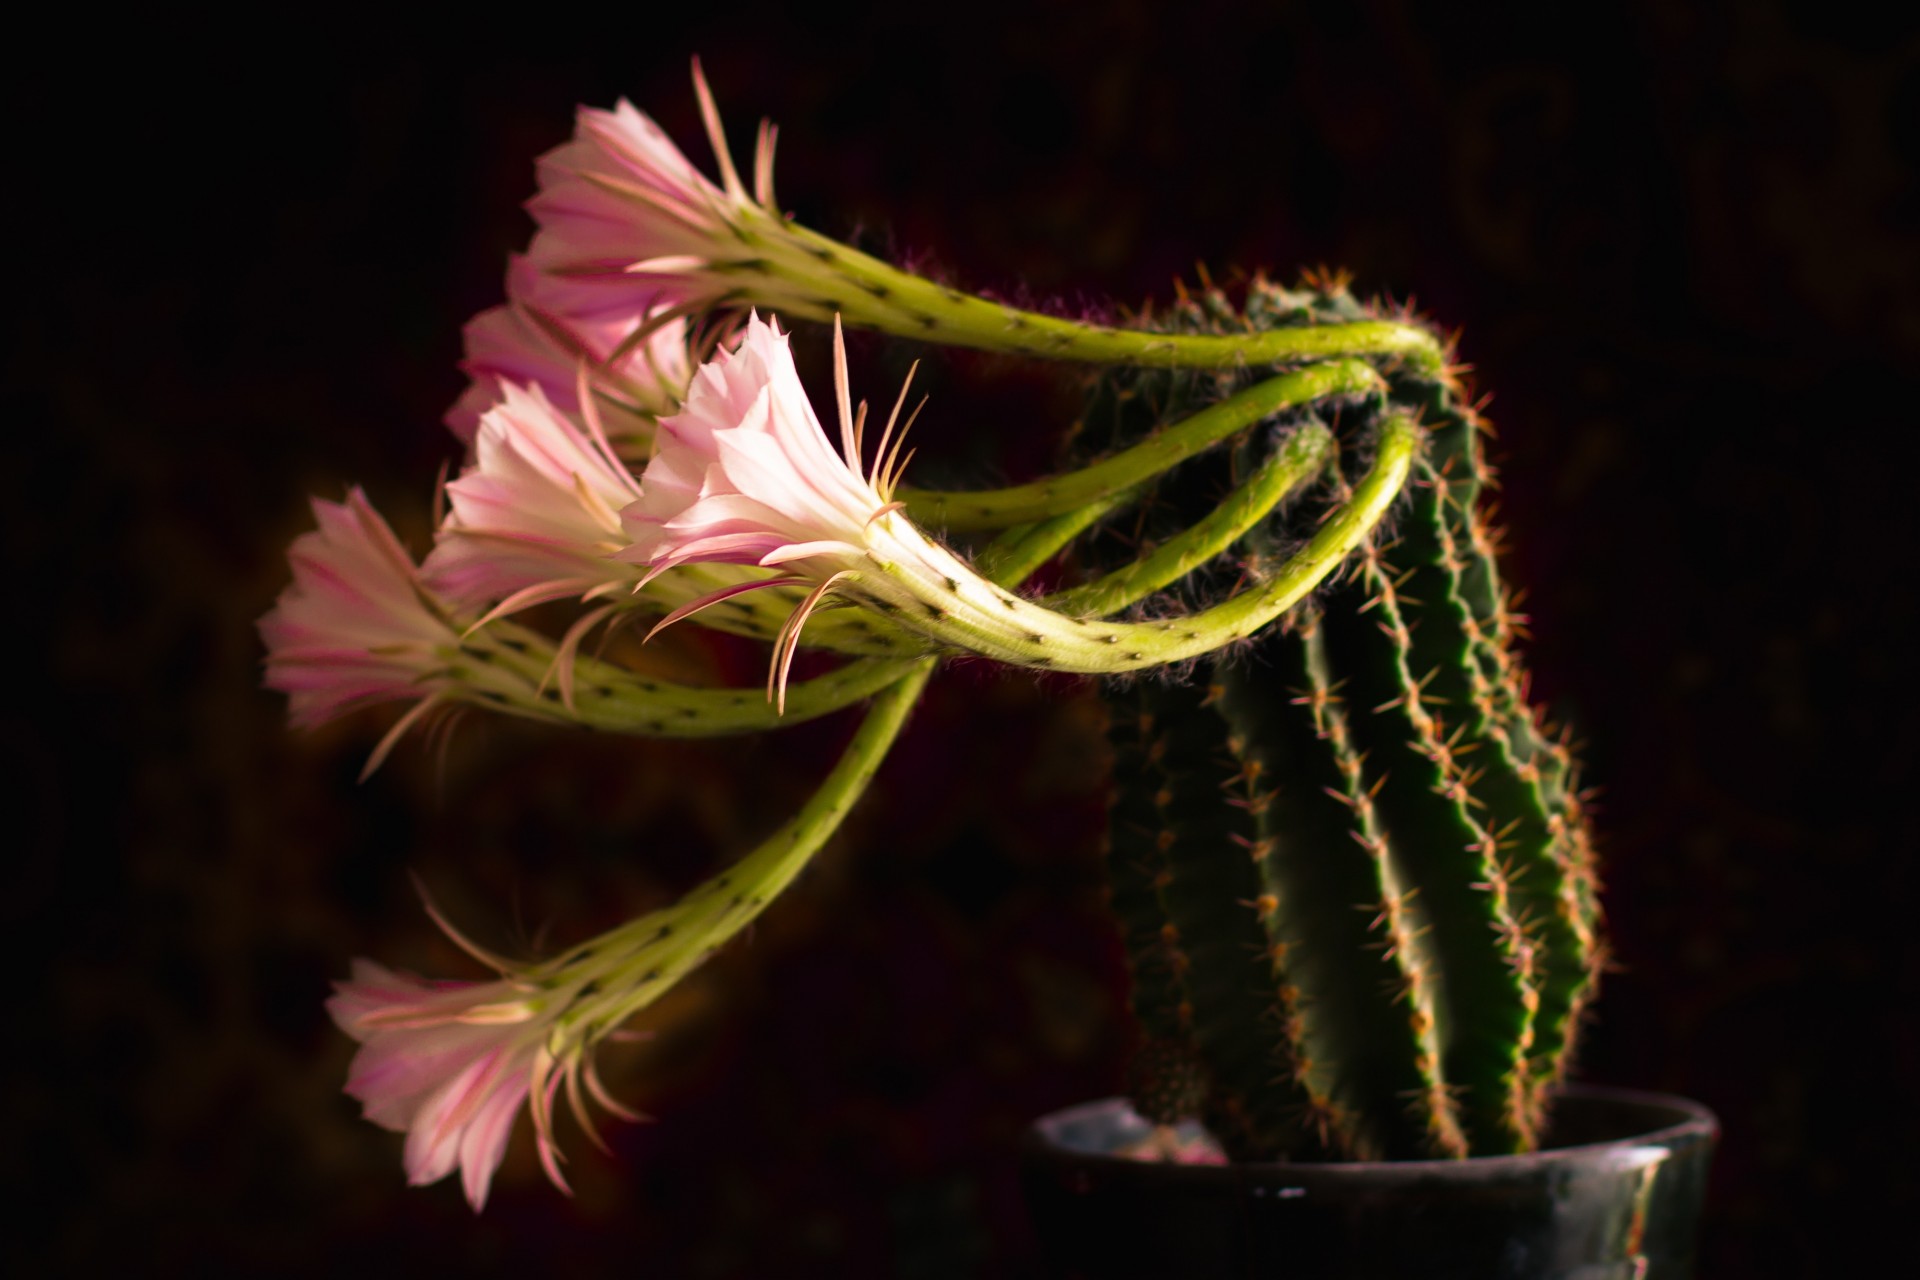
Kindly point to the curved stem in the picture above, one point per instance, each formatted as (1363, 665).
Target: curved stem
(801, 272)
(634, 963)
(760, 614)
(641, 959)
(510, 668)
(507, 668)
(1300, 459)
(927, 589)
(610, 978)
(1018, 553)
(998, 508)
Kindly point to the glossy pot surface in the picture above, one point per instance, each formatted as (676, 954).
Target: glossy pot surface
(1615, 1196)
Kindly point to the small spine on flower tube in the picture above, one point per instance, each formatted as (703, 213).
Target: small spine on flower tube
(451, 1063)
(784, 265)
(963, 511)
(1305, 453)
(629, 227)
(506, 669)
(928, 589)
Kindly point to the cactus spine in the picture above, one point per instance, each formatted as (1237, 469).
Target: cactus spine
(1351, 868)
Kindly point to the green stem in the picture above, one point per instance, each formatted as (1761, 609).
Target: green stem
(1018, 553)
(999, 508)
(1301, 458)
(927, 589)
(761, 614)
(608, 979)
(508, 668)
(798, 270)
(631, 966)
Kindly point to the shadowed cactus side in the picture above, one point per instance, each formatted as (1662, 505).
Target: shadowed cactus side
(1351, 868)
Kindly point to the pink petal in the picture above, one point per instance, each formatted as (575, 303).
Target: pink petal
(771, 487)
(484, 1144)
(353, 627)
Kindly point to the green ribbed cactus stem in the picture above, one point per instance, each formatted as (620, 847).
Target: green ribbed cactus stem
(1166, 1080)
(1442, 858)
(1364, 1026)
(1518, 778)
(1136, 868)
(1422, 885)
(1196, 932)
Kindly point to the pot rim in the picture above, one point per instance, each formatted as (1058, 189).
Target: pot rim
(1693, 1121)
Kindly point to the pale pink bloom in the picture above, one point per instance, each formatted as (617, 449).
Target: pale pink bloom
(744, 474)
(355, 626)
(627, 225)
(544, 333)
(449, 1064)
(536, 514)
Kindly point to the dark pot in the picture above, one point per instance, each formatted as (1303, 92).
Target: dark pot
(1615, 1196)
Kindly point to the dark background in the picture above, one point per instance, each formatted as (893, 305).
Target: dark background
(1683, 245)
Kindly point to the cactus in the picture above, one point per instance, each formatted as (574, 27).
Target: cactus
(1350, 866)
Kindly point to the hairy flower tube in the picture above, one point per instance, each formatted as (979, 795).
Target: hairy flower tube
(451, 1063)
(629, 228)
(632, 234)
(547, 329)
(744, 474)
(358, 626)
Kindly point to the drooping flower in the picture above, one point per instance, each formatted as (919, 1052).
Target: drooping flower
(628, 227)
(550, 325)
(744, 474)
(355, 626)
(536, 514)
(447, 1063)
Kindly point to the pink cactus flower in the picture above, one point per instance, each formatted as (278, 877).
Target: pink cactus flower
(744, 474)
(449, 1064)
(549, 326)
(535, 515)
(628, 227)
(354, 627)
